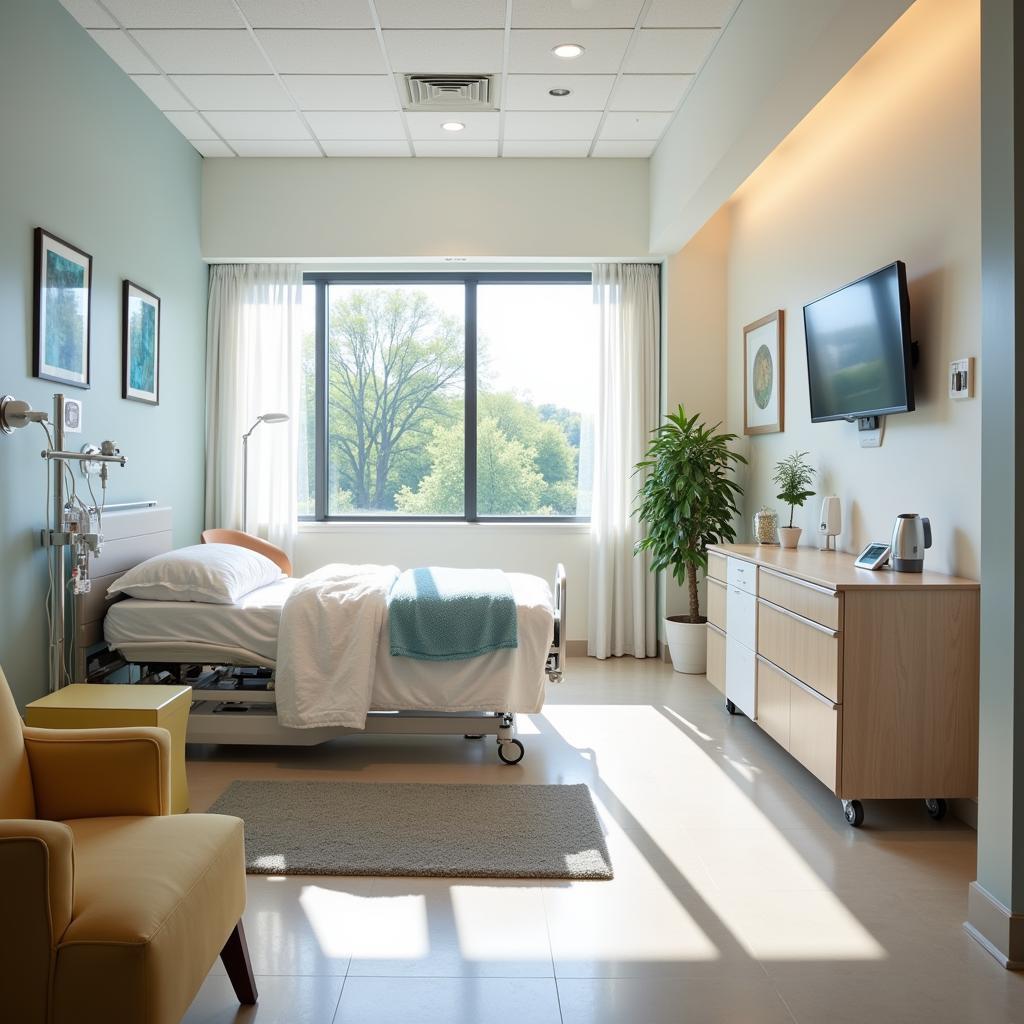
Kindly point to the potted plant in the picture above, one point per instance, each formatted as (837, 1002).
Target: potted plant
(687, 501)
(793, 476)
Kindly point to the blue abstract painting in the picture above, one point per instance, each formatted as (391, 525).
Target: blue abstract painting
(141, 344)
(63, 277)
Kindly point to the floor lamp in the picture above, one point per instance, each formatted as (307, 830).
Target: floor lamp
(267, 417)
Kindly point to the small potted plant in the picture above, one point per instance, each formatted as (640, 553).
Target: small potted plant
(793, 476)
(687, 501)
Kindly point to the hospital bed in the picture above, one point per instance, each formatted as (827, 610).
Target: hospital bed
(235, 703)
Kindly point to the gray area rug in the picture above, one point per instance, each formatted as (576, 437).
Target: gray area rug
(370, 828)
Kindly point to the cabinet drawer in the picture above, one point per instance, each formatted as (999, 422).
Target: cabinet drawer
(812, 602)
(802, 648)
(717, 566)
(814, 735)
(716, 603)
(741, 677)
(716, 659)
(741, 611)
(742, 575)
(773, 703)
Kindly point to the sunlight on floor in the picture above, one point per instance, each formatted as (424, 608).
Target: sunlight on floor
(367, 926)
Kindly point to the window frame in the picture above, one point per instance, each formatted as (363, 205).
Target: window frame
(470, 281)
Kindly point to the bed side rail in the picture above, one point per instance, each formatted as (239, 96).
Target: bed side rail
(556, 656)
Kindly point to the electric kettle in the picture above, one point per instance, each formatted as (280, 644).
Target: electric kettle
(910, 536)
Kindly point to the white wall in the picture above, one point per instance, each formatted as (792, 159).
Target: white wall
(527, 547)
(334, 209)
(885, 167)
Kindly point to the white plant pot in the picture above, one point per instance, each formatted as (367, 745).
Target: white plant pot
(688, 645)
(789, 536)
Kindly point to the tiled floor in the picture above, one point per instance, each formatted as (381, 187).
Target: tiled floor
(740, 895)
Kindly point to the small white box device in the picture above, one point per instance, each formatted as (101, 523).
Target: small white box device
(874, 556)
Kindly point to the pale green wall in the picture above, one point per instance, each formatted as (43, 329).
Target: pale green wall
(86, 155)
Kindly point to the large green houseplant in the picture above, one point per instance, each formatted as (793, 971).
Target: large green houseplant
(687, 501)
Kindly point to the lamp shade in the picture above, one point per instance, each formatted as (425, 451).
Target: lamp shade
(275, 417)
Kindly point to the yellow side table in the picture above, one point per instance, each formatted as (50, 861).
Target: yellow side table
(104, 705)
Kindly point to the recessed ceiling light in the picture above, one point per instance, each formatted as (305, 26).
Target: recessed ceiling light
(453, 126)
(559, 92)
(567, 51)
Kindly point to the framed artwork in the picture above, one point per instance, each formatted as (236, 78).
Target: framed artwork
(140, 345)
(764, 397)
(61, 319)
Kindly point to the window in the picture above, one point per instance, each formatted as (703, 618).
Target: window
(447, 396)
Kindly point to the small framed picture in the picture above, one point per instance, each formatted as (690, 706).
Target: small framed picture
(62, 305)
(764, 396)
(140, 345)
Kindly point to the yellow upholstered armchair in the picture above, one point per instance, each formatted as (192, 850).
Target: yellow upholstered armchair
(113, 910)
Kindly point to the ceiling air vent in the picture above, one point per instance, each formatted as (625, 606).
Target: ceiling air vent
(449, 92)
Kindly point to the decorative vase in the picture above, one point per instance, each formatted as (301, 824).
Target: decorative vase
(765, 522)
(688, 644)
(789, 536)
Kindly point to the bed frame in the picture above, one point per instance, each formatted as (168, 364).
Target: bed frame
(243, 710)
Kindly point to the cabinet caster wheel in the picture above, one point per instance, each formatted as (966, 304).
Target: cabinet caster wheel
(730, 707)
(853, 811)
(511, 751)
(936, 809)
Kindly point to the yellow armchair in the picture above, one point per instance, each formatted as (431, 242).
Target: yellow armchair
(114, 910)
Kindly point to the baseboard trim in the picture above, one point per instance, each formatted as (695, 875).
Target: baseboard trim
(997, 929)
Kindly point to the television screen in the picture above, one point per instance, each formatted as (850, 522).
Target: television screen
(859, 348)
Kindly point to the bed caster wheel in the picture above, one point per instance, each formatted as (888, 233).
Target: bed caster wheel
(730, 707)
(511, 751)
(473, 736)
(936, 809)
(853, 811)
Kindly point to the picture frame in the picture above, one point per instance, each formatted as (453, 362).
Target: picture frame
(140, 344)
(62, 311)
(764, 368)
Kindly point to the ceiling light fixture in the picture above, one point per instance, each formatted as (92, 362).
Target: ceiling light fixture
(559, 92)
(568, 51)
(453, 126)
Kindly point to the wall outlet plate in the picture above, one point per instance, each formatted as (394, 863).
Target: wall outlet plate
(72, 416)
(961, 378)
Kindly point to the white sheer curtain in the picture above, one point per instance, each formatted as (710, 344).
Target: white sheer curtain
(622, 616)
(252, 368)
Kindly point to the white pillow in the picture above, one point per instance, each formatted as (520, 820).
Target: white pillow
(207, 573)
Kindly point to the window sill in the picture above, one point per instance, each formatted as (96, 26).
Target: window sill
(376, 526)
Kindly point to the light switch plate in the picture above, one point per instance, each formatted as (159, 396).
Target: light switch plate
(961, 378)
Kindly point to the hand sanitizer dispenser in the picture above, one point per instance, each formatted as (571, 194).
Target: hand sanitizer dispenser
(830, 522)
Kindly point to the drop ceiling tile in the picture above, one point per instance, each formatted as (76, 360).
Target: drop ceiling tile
(175, 13)
(269, 147)
(234, 92)
(689, 13)
(353, 124)
(650, 92)
(670, 51)
(323, 51)
(536, 125)
(441, 13)
(515, 148)
(257, 125)
(480, 126)
(161, 92)
(373, 147)
(455, 52)
(89, 14)
(307, 13)
(621, 125)
(451, 149)
(618, 148)
(531, 92)
(123, 52)
(190, 124)
(203, 51)
(559, 13)
(342, 92)
(530, 51)
(211, 148)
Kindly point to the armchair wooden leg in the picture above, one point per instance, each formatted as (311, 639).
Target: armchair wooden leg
(235, 957)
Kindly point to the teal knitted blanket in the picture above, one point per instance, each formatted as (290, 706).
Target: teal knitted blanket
(451, 614)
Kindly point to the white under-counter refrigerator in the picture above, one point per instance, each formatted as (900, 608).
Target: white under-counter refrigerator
(741, 638)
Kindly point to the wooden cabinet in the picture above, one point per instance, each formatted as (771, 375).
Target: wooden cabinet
(869, 679)
(716, 603)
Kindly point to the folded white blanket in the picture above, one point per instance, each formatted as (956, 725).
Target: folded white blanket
(327, 645)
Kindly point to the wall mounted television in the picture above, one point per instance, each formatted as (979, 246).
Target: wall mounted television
(859, 350)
